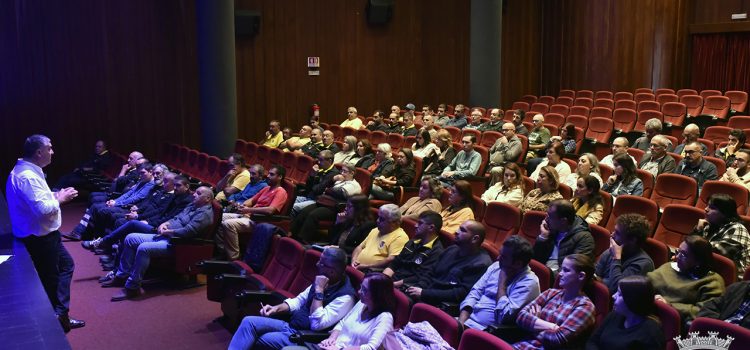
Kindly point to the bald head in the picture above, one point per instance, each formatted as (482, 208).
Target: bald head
(691, 133)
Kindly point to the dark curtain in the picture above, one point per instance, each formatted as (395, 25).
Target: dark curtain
(721, 61)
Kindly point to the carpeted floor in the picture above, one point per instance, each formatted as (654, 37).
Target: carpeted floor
(164, 318)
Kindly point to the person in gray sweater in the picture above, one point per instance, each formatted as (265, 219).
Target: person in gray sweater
(625, 256)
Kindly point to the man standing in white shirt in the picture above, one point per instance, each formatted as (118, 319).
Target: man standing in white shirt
(35, 217)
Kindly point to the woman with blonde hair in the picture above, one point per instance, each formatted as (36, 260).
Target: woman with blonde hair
(510, 190)
(428, 199)
(438, 162)
(588, 164)
(546, 191)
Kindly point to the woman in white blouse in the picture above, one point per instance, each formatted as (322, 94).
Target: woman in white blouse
(366, 325)
(510, 190)
(587, 165)
(423, 146)
(554, 159)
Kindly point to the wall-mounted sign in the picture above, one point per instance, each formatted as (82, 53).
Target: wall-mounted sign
(313, 66)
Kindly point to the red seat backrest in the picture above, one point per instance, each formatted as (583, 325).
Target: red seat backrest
(501, 220)
(677, 221)
(674, 189)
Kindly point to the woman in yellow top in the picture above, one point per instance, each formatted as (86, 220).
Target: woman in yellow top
(587, 202)
(459, 209)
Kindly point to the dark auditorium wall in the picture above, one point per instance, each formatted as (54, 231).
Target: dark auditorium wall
(614, 45)
(123, 71)
(421, 56)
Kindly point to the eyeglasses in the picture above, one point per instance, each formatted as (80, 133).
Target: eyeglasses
(537, 121)
(689, 152)
(653, 145)
(506, 130)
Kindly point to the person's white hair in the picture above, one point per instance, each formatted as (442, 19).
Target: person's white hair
(386, 149)
(663, 141)
(391, 211)
(654, 124)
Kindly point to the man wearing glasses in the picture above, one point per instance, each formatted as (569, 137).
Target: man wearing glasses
(506, 149)
(738, 173)
(693, 165)
(495, 123)
(656, 160)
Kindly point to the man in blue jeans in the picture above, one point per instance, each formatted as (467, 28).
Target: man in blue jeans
(35, 217)
(319, 307)
(139, 248)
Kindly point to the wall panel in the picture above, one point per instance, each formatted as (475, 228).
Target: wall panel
(421, 56)
(125, 72)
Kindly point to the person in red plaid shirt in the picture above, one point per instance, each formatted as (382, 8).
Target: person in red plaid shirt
(560, 317)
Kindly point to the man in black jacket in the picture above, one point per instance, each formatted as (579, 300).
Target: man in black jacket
(420, 254)
(459, 267)
(562, 233)
(321, 177)
(733, 306)
(96, 165)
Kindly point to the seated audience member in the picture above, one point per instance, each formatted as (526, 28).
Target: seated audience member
(383, 243)
(305, 225)
(392, 126)
(736, 140)
(693, 165)
(85, 229)
(430, 190)
(315, 145)
(538, 137)
(353, 224)
(465, 164)
(689, 282)
(690, 134)
(429, 125)
(376, 124)
(328, 142)
(633, 323)
(459, 209)
(554, 159)
(352, 120)
(588, 164)
(495, 123)
(367, 324)
(625, 256)
(567, 138)
(269, 201)
(656, 160)
(99, 161)
(506, 287)
(385, 188)
(257, 175)
(624, 180)
(505, 150)
(441, 118)
(397, 111)
(173, 200)
(476, 120)
(348, 151)
(364, 156)
(383, 164)
(321, 177)
(723, 228)
(126, 178)
(427, 110)
(518, 116)
(274, 136)
(620, 145)
(459, 267)
(296, 142)
(139, 248)
(286, 133)
(314, 120)
(235, 180)
(320, 306)
(420, 254)
(653, 127)
(562, 233)
(439, 161)
(509, 190)
(546, 191)
(732, 306)
(560, 318)
(587, 201)
(738, 173)
(423, 146)
(459, 117)
(409, 128)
